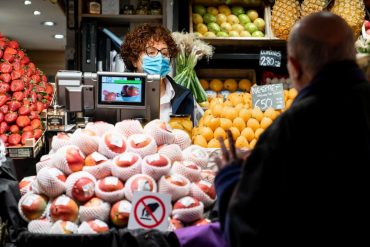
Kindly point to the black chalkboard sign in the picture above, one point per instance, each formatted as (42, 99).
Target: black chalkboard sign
(269, 58)
(268, 96)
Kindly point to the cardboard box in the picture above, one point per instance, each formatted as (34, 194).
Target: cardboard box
(30, 150)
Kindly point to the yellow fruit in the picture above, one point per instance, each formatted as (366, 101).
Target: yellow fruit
(227, 143)
(204, 83)
(206, 132)
(176, 125)
(215, 101)
(197, 18)
(292, 93)
(270, 113)
(288, 103)
(247, 98)
(235, 132)
(252, 144)
(239, 123)
(212, 10)
(213, 123)
(207, 112)
(214, 143)
(241, 142)
(248, 133)
(253, 124)
(202, 28)
(188, 125)
(217, 110)
(195, 131)
(231, 85)
(236, 99)
(225, 123)
(229, 113)
(206, 119)
(257, 114)
(232, 19)
(239, 106)
(228, 103)
(224, 9)
(245, 114)
(258, 133)
(219, 132)
(216, 85)
(245, 85)
(266, 122)
(200, 141)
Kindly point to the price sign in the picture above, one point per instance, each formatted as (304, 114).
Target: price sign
(270, 58)
(268, 96)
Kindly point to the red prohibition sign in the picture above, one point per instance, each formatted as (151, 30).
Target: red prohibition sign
(156, 221)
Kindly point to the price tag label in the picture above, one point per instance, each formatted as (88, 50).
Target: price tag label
(111, 181)
(268, 96)
(269, 58)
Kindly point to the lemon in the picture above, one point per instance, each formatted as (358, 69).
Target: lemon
(232, 19)
(204, 83)
(200, 141)
(214, 143)
(213, 123)
(235, 132)
(216, 85)
(229, 113)
(219, 132)
(197, 18)
(225, 123)
(252, 144)
(253, 124)
(248, 133)
(245, 85)
(241, 142)
(206, 132)
(258, 133)
(221, 18)
(245, 114)
(270, 113)
(202, 28)
(266, 122)
(257, 114)
(224, 9)
(239, 123)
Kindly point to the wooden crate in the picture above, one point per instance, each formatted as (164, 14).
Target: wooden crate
(30, 150)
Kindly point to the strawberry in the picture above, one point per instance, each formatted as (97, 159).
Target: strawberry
(39, 106)
(10, 117)
(24, 110)
(36, 123)
(13, 44)
(26, 101)
(4, 138)
(10, 50)
(49, 89)
(25, 60)
(14, 105)
(4, 87)
(34, 115)
(8, 57)
(17, 65)
(36, 78)
(21, 54)
(14, 129)
(33, 97)
(1, 53)
(37, 133)
(3, 127)
(27, 128)
(5, 67)
(44, 78)
(16, 85)
(14, 139)
(3, 99)
(4, 109)
(5, 77)
(2, 44)
(26, 135)
(1, 117)
(19, 96)
(32, 66)
(16, 74)
(23, 121)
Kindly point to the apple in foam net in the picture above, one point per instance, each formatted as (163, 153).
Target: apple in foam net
(33, 206)
(88, 132)
(110, 184)
(120, 213)
(83, 189)
(177, 224)
(75, 159)
(26, 181)
(115, 142)
(186, 202)
(156, 160)
(126, 159)
(191, 165)
(176, 180)
(94, 202)
(142, 183)
(64, 208)
(63, 136)
(140, 141)
(58, 174)
(98, 226)
(95, 159)
(207, 188)
(68, 227)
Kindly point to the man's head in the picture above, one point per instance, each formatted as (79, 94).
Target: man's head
(315, 41)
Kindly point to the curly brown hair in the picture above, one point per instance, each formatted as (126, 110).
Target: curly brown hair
(136, 41)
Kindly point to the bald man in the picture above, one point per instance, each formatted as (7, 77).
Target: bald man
(307, 182)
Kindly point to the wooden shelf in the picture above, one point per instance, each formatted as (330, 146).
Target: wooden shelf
(237, 41)
(122, 18)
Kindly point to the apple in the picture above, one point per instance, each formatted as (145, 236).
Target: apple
(140, 143)
(75, 159)
(63, 136)
(156, 160)
(208, 175)
(98, 226)
(110, 184)
(186, 202)
(260, 24)
(126, 159)
(95, 159)
(176, 180)
(142, 183)
(115, 142)
(164, 126)
(120, 213)
(176, 224)
(57, 173)
(201, 222)
(33, 206)
(26, 181)
(64, 208)
(191, 165)
(64, 227)
(94, 202)
(88, 132)
(207, 188)
(83, 189)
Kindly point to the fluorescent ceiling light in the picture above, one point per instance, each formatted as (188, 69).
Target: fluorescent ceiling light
(36, 12)
(48, 23)
(58, 36)
(27, 2)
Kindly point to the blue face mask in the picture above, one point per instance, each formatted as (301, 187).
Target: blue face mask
(157, 65)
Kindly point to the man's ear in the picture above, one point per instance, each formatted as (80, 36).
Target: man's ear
(296, 71)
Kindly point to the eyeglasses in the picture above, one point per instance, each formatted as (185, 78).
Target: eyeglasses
(152, 51)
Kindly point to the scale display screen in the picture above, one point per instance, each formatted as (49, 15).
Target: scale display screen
(121, 90)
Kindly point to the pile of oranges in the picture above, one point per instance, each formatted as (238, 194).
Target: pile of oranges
(237, 115)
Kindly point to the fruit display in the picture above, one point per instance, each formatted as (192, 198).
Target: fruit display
(84, 188)
(285, 13)
(237, 115)
(24, 94)
(269, 77)
(227, 21)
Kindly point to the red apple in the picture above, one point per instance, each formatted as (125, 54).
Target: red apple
(110, 184)
(94, 202)
(175, 179)
(208, 175)
(64, 208)
(164, 126)
(142, 183)
(191, 165)
(58, 174)
(207, 188)
(83, 190)
(26, 181)
(177, 224)
(63, 136)
(88, 132)
(156, 160)
(95, 159)
(115, 142)
(120, 213)
(126, 159)
(186, 202)
(140, 141)
(33, 206)
(75, 159)
(98, 226)
(201, 222)
(66, 227)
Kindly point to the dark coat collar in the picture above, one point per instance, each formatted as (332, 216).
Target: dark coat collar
(180, 94)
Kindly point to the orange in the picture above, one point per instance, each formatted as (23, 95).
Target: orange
(253, 124)
(292, 93)
(258, 133)
(206, 132)
(288, 103)
(239, 123)
(248, 133)
(266, 122)
(252, 144)
(229, 113)
(214, 144)
(219, 132)
(231, 85)
(241, 142)
(213, 123)
(235, 132)
(236, 99)
(207, 112)
(206, 120)
(204, 83)
(257, 114)
(216, 85)
(228, 103)
(225, 123)
(270, 113)
(217, 110)
(200, 141)
(238, 107)
(245, 85)
(245, 114)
